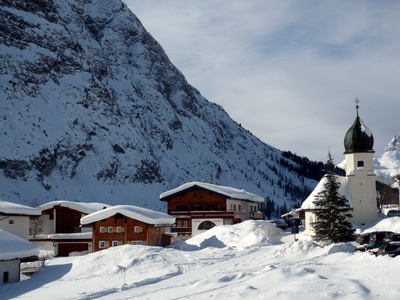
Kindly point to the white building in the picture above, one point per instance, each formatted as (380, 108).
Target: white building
(358, 186)
(13, 250)
(14, 218)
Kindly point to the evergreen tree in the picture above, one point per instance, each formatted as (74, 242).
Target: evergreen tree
(333, 211)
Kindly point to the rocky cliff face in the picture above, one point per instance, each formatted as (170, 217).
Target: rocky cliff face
(92, 109)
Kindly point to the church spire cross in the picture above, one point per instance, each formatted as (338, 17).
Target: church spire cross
(356, 102)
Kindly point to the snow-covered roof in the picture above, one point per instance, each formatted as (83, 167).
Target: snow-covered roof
(138, 213)
(343, 191)
(83, 207)
(12, 247)
(9, 208)
(229, 192)
(65, 236)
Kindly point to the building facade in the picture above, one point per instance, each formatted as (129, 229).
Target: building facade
(199, 206)
(14, 218)
(127, 224)
(58, 230)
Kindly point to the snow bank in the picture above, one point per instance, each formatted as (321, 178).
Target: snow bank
(245, 234)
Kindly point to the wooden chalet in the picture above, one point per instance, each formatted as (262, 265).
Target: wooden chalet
(58, 229)
(127, 224)
(199, 206)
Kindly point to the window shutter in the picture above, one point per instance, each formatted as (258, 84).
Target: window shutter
(122, 229)
(119, 243)
(140, 229)
(107, 243)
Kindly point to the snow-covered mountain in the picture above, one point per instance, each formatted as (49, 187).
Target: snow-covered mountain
(91, 109)
(388, 164)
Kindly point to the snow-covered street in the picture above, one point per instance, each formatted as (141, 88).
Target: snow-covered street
(235, 262)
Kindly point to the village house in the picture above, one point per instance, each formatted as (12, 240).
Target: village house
(13, 251)
(127, 224)
(199, 206)
(14, 218)
(359, 185)
(58, 229)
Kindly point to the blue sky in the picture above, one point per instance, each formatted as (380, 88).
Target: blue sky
(288, 71)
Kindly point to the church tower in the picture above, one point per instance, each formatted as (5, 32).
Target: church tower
(358, 143)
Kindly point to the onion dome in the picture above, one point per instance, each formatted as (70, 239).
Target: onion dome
(358, 138)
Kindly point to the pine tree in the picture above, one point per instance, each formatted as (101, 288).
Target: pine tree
(333, 211)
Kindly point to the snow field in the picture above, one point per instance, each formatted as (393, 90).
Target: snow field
(227, 262)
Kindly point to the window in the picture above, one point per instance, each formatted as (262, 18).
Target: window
(136, 242)
(206, 225)
(311, 222)
(114, 243)
(102, 244)
(185, 224)
(102, 229)
(194, 195)
(10, 221)
(234, 207)
(360, 164)
(137, 229)
(239, 207)
(230, 207)
(179, 224)
(110, 229)
(119, 229)
(201, 194)
(212, 207)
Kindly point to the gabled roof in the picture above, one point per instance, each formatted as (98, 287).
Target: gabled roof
(343, 191)
(9, 208)
(226, 191)
(83, 207)
(12, 247)
(134, 212)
